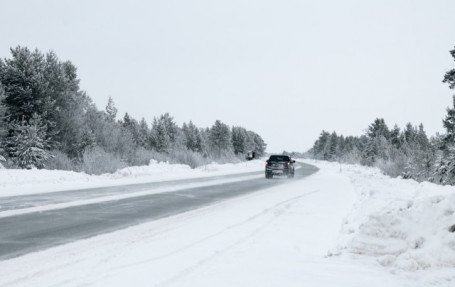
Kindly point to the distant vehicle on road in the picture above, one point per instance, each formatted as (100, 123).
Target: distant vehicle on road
(279, 165)
(250, 155)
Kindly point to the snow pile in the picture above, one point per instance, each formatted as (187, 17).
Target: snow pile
(166, 170)
(403, 224)
(153, 169)
(20, 181)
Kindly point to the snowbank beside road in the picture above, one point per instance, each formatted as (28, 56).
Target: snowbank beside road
(21, 182)
(402, 224)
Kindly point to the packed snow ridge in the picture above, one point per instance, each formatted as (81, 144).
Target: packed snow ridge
(20, 182)
(401, 223)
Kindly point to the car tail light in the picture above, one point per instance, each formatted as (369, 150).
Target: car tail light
(289, 163)
(266, 163)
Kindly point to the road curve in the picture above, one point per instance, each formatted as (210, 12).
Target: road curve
(22, 234)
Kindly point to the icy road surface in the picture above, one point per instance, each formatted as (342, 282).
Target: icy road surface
(35, 222)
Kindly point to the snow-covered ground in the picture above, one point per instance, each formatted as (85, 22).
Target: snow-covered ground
(343, 226)
(406, 227)
(20, 182)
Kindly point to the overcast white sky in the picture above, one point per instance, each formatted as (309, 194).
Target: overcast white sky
(285, 69)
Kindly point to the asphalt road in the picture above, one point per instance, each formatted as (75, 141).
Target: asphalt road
(22, 234)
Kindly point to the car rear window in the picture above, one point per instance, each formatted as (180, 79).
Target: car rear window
(279, 158)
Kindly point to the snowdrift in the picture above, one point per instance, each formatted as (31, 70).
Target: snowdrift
(20, 181)
(402, 224)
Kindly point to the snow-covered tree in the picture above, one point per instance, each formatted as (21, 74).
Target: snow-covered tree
(444, 172)
(259, 144)
(220, 137)
(27, 145)
(449, 77)
(449, 125)
(144, 134)
(395, 139)
(40, 83)
(3, 128)
(320, 147)
(160, 139)
(111, 110)
(332, 147)
(378, 128)
(239, 140)
(132, 127)
(192, 137)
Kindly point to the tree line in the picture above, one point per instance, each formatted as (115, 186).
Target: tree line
(406, 152)
(47, 121)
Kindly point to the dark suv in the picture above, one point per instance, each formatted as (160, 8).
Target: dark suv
(279, 165)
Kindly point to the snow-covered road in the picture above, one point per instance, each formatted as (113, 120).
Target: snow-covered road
(35, 222)
(299, 233)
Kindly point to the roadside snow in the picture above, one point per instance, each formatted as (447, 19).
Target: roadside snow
(405, 226)
(20, 182)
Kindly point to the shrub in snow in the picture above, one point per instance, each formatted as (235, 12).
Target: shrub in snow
(61, 161)
(97, 161)
(140, 156)
(188, 157)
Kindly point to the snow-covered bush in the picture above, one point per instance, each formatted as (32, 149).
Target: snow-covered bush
(141, 156)
(97, 161)
(190, 158)
(61, 161)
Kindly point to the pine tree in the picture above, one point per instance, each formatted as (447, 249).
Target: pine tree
(144, 134)
(28, 145)
(449, 125)
(239, 142)
(259, 144)
(395, 137)
(332, 147)
(111, 110)
(131, 126)
(86, 141)
(445, 167)
(170, 126)
(3, 129)
(378, 128)
(192, 137)
(449, 77)
(320, 146)
(369, 153)
(220, 138)
(42, 84)
(160, 139)
(22, 78)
